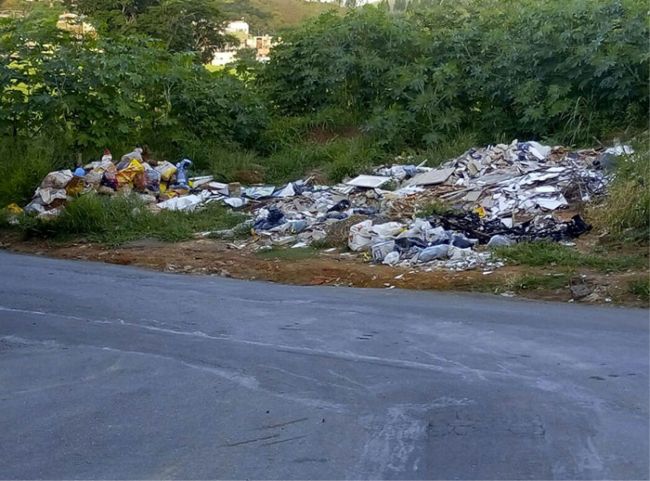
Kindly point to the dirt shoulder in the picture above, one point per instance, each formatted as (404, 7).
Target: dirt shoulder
(221, 258)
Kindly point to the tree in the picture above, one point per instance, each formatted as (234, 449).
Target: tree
(113, 14)
(526, 69)
(182, 25)
(97, 91)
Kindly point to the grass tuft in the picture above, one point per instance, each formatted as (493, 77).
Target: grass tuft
(640, 288)
(542, 282)
(287, 254)
(540, 254)
(114, 221)
(435, 207)
(625, 212)
(22, 168)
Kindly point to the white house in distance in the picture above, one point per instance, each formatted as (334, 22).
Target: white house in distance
(238, 27)
(241, 30)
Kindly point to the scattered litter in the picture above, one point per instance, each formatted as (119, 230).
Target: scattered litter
(186, 203)
(199, 181)
(391, 259)
(499, 240)
(620, 150)
(432, 177)
(368, 181)
(497, 195)
(259, 192)
(234, 202)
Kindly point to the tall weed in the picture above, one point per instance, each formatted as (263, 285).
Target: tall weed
(625, 212)
(23, 165)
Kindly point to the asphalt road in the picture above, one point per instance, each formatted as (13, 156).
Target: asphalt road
(113, 372)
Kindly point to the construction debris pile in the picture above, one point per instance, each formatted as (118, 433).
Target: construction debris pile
(401, 214)
(494, 196)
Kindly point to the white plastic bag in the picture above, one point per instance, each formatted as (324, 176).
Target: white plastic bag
(387, 230)
(381, 250)
(360, 237)
(57, 180)
(392, 258)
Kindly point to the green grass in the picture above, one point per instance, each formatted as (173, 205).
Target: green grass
(22, 167)
(625, 212)
(226, 164)
(538, 282)
(450, 148)
(287, 254)
(117, 220)
(640, 288)
(336, 159)
(540, 254)
(435, 207)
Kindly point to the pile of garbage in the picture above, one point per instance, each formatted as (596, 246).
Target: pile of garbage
(162, 184)
(494, 196)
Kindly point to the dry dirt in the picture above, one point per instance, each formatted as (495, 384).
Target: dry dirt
(215, 257)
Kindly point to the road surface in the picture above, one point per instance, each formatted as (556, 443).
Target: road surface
(113, 372)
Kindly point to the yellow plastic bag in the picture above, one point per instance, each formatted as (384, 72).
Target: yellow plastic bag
(75, 186)
(127, 176)
(14, 209)
(166, 170)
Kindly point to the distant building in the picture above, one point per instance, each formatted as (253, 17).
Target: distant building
(262, 45)
(239, 29)
(238, 26)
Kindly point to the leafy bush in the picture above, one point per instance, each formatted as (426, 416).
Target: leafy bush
(115, 91)
(218, 107)
(533, 68)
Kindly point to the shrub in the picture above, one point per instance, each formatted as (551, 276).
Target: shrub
(532, 68)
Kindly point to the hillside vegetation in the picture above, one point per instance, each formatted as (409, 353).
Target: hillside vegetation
(274, 16)
(264, 16)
